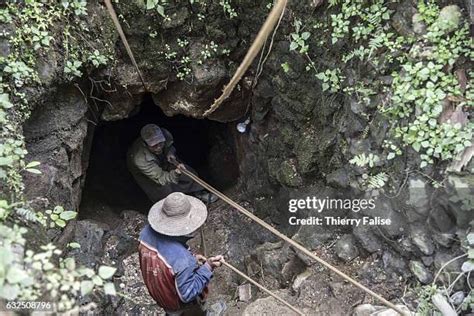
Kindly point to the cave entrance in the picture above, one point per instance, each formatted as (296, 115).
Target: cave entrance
(205, 145)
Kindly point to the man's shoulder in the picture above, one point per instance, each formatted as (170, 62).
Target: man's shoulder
(167, 133)
(176, 254)
(171, 250)
(139, 152)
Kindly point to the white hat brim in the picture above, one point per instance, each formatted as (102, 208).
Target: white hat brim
(177, 225)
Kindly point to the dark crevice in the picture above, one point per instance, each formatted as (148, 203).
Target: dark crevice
(205, 145)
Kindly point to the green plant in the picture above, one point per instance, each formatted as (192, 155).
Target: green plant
(428, 10)
(184, 68)
(97, 59)
(228, 8)
(208, 51)
(422, 80)
(340, 27)
(30, 167)
(182, 42)
(5, 16)
(79, 7)
(363, 91)
(394, 150)
(159, 5)
(72, 68)
(29, 276)
(20, 72)
(56, 217)
(29, 270)
(376, 181)
(363, 160)
(38, 37)
(298, 41)
(425, 293)
(331, 79)
(285, 66)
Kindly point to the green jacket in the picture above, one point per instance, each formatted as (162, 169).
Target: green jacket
(149, 169)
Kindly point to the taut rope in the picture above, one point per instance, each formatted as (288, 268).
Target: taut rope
(113, 15)
(288, 240)
(256, 46)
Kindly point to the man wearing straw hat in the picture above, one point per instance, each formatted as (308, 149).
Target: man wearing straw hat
(176, 279)
(151, 160)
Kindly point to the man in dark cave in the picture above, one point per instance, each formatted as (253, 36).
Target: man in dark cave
(152, 162)
(176, 278)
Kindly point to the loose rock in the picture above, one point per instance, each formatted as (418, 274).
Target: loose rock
(367, 239)
(421, 273)
(245, 292)
(346, 248)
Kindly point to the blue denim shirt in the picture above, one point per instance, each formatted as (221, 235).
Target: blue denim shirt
(190, 278)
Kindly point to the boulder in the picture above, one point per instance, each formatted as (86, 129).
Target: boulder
(419, 27)
(270, 306)
(288, 174)
(418, 195)
(89, 235)
(394, 264)
(457, 298)
(339, 178)
(55, 136)
(270, 258)
(385, 209)
(367, 239)
(449, 18)
(373, 310)
(312, 236)
(217, 309)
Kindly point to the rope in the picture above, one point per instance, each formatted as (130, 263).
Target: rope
(228, 265)
(250, 56)
(113, 15)
(256, 46)
(290, 241)
(261, 287)
(203, 244)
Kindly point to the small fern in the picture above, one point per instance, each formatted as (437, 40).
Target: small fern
(376, 43)
(27, 214)
(365, 132)
(376, 181)
(363, 160)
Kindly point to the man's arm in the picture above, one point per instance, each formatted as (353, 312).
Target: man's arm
(191, 282)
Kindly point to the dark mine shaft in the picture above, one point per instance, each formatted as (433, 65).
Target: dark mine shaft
(205, 145)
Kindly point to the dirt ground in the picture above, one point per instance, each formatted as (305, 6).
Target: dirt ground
(316, 290)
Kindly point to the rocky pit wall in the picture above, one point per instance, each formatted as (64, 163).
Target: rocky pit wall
(298, 143)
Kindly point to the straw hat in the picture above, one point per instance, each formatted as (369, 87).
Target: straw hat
(177, 215)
